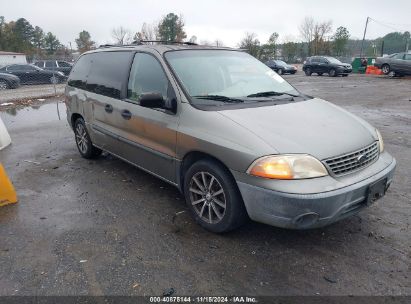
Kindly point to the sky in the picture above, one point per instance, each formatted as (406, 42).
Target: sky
(226, 20)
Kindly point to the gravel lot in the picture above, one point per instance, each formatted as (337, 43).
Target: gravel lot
(103, 227)
(26, 92)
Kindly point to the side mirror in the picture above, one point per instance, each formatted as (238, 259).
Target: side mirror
(152, 100)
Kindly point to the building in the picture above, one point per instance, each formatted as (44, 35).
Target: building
(7, 58)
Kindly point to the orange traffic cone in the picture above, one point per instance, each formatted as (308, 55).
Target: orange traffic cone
(7, 193)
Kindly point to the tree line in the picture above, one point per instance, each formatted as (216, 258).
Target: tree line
(316, 38)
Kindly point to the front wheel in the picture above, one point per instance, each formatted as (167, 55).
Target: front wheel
(3, 85)
(332, 73)
(280, 71)
(83, 140)
(213, 197)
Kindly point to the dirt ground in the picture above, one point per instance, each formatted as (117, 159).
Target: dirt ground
(99, 227)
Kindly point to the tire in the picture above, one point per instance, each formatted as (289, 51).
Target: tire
(83, 140)
(308, 72)
(217, 208)
(54, 80)
(332, 73)
(280, 71)
(4, 85)
(320, 74)
(386, 69)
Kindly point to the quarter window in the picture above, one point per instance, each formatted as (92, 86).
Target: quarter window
(146, 76)
(79, 73)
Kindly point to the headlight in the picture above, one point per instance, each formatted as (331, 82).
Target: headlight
(287, 166)
(380, 141)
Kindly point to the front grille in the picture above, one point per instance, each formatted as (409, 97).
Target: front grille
(353, 161)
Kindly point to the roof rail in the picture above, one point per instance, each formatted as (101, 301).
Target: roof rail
(141, 42)
(164, 42)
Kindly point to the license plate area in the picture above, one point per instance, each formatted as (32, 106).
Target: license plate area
(376, 190)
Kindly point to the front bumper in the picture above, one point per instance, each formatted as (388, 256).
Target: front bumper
(304, 211)
(344, 71)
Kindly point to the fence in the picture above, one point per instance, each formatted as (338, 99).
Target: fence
(22, 83)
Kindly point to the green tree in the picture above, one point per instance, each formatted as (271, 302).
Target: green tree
(290, 51)
(268, 51)
(51, 43)
(340, 38)
(84, 42)
(171, 28)
(251, 44)
(38, 39)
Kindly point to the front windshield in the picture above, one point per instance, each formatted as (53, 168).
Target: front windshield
(232, 74)
(280, 62)
(333, 60)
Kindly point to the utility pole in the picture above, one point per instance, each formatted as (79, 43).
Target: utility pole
(363, 38)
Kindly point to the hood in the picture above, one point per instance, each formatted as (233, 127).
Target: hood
(315, 127)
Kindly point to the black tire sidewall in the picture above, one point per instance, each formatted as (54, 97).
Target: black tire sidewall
(235, 213)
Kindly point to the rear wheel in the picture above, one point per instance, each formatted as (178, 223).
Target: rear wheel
(386, 69)
(308, 71)
(332, 73)
(54, 80)
(3, 85)
(83, 140)
(213, 197)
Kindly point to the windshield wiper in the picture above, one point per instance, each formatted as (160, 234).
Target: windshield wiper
(271, 93)
(219, 98)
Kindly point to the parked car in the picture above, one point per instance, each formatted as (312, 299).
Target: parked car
(281, 67)
(232, 135)
(55, 65)
(325, 64)
(399, 64)
(31, 74)
(8, 81)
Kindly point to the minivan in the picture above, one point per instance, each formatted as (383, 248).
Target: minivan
(231, 134)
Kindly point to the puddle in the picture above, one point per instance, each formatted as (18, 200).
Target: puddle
(33, 115)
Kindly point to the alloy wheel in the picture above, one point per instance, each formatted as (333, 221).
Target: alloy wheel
(3, 85)
(81, 138)
(386, 69)
(207, 197)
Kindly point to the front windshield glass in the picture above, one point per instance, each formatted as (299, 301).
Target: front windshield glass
(280, 62)
(232, 74)
(333, 60)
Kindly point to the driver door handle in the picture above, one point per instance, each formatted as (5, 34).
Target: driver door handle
(108, 108)
(126, 114)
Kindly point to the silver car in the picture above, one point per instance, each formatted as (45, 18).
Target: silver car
(232, 135)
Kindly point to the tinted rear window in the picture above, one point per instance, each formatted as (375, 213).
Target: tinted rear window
(79, 73)
(109, 73)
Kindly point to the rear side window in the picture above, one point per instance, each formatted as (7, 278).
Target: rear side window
(40, 64)
(146, 76)
(109, 72)
(315, 59)
(79, 73)
(51, 64)
(63, 64)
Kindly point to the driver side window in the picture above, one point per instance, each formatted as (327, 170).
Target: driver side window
(146, 76)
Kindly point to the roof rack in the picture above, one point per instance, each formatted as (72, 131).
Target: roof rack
(141, 42)
(164, 42)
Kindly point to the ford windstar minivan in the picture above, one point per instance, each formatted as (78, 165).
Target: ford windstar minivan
(235, 138)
